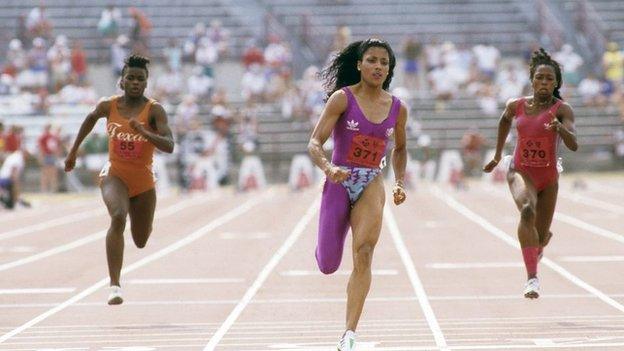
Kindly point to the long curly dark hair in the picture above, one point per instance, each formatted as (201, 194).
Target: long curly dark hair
(541, 57)
(342, 71)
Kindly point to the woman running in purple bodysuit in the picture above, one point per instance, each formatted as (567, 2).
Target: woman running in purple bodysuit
(362, 116)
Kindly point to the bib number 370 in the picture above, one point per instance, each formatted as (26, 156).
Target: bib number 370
(534, 152)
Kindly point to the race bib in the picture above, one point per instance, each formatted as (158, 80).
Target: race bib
(127, 149)
(366, 151)
(535, 152)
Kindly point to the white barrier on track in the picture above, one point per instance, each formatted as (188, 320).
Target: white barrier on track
(251, 175)
(499, 173)
(163, 183)
(301, 173)
(204, 175)
(413, 173)
(450, 163)
(429, 170)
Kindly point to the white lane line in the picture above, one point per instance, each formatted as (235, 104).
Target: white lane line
(591, 258)
(197, 234)
(168, 211)
(421, 294)
(17, 249)
(575, 222)
(262, 276)
(185, 281)
(305, 273)
(603, 205)
(65, 219)
(42, 210)
(324, 346)
(309, 300)
(490, 228)
(589, 227)
(474, 265)
(36, 291)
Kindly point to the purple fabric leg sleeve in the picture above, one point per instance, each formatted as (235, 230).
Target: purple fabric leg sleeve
(333, 227)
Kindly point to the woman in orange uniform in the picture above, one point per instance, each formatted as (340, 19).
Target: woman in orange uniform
(135, 126)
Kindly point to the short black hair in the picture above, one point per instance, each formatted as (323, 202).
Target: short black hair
(137, 61)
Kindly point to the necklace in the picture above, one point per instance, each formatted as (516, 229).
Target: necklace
(540, 104)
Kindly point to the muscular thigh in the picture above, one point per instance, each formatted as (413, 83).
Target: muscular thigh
(115, 195)
(522, 189)
(141, 211)
(545, 209)
(366, 215)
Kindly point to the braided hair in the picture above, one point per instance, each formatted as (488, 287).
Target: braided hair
(342, 71)
(541, 57)
(137, 61)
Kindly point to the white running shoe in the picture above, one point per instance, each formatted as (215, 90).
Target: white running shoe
(531, 289)
(347, 342)
(114, 298)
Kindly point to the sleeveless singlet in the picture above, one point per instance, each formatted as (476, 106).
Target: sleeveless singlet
(535, 154)
(127, 148)
(359, 142)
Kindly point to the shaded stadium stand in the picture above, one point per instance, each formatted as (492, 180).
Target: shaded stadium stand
(480, 22)
(170, 18)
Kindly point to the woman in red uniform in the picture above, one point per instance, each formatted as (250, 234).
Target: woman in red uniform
(135, 126)
(542, 120)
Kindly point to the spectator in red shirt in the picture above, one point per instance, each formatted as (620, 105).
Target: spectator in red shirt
(79, 62)
(49, 151)
(252, 55)
(13, 140)
(2, 142)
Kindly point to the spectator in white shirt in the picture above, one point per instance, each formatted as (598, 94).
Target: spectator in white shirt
(570, 62)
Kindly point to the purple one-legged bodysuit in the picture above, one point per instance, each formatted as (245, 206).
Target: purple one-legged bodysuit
(359, 145)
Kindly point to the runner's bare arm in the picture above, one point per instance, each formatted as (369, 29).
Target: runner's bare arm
(163, 138)
(504, 125)
(563, 124)
(335, 106)
(101, 110)
(399, 152)
(399, 156)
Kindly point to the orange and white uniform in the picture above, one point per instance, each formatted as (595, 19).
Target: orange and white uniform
(130, 154)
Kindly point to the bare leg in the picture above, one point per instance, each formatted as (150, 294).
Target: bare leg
(141, 213)
(525, 197)
(366, 219)
(546, 203)
(115, 195)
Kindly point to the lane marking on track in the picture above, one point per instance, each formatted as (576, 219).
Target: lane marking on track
(38, 211)
(310, 300)
(197, 234)
(263, 275)
(603, 205)
(490, 228)
(185, 281)
(65, 219)
(591, 258)
(474, 265)
(25, 291)
(576, 222)
(589, 227)
(304, 273)
(17, 249)
(417, 285)
(167, 211)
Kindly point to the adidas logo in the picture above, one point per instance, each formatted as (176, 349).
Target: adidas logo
(353, 125)
(389, 132)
